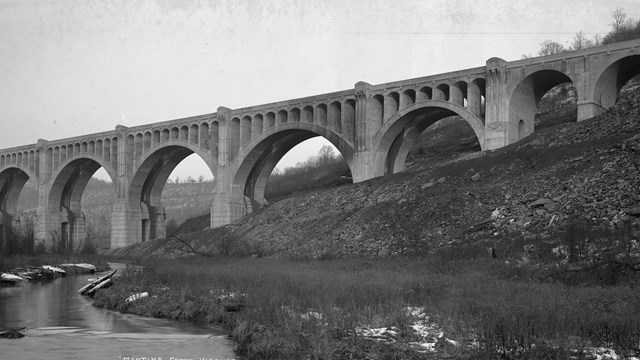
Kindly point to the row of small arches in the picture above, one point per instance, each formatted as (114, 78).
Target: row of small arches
(202, 134)
(28, 159)
(470, 95)
(337, 116)
(106, 148)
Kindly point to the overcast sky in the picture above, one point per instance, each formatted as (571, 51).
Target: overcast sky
(73, 67)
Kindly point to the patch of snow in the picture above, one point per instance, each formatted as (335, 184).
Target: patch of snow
(602, 353)
(428, 346)
(54, 269)
(415, 311)
(10, 277)
(312, 315)
(452, 342)
(222, 295)
(378, 334)
(497, 214)
(309, 315)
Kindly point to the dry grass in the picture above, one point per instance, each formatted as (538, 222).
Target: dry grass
(491, 316)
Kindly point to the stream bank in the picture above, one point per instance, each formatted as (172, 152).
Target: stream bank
(62, 323)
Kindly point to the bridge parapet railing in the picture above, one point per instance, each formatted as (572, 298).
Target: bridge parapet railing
(465, 88)
(168, 124)
(25, 155)
(299, 103)
(81, 139)
(448, 78)
(21, 148)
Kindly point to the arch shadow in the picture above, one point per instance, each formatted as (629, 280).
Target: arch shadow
(612, 78)
(254, 163)
(67, 185)
(400, 132)
(524, 99)
(12, 180)
(149, 177)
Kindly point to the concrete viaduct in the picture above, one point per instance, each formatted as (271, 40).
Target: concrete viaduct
(373, 126)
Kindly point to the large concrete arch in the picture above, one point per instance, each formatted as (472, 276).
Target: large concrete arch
(256, 182)
(611, 79)
(525, 96)
(268, 137)
(106, 165)
(400, 132)
(64, 216)
(10, 168)
(149, 176)
(251, 167)
(12, 181)
(168, 155)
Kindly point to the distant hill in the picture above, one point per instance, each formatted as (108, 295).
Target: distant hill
(181, 202)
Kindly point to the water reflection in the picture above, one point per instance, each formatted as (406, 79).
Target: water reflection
(64, 323)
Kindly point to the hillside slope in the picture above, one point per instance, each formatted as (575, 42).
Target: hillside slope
(587, 171)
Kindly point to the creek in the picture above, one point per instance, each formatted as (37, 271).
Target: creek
(62, 324)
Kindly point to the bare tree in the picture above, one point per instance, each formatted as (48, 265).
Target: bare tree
(597, 40)
(550, 47)
(326, 154)
(580, 41)
(619, 18)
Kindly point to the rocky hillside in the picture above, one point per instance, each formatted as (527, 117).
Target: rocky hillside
(564, 173)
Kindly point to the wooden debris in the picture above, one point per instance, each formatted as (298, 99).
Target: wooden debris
(56, 270)
(105, 284)
(95, 283)
(12, 334)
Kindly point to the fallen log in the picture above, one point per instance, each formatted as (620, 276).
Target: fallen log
(12, 334)
(96, 282)
(91, 268)
(55, 270)
(80, 268)
(104, 284)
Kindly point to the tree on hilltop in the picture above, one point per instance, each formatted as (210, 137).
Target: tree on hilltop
(550, 47)
(619, 17)
(623, 28)
(580, 41)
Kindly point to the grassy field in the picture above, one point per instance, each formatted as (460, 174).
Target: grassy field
(393, 308)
